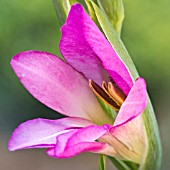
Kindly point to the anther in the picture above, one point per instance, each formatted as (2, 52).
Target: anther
(110, 93)
(116, 93)
(101, 94)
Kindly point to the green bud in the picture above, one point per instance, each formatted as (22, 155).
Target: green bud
(62, 8)
(114, 11)
(92, 12)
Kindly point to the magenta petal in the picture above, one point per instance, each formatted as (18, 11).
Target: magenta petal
(40, 133)
(79, 140)
(86, 49)
(134, 104)
(56, 84)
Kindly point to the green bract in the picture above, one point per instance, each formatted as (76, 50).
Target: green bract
(113, 9)
(62, 8)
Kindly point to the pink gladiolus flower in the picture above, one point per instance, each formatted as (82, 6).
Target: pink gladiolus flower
(91, 68)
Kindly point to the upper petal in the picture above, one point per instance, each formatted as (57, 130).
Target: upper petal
(57, 85)
(39, 133)
(134, 104)
(86, 49)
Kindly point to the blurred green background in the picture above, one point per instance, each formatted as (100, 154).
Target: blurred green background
(32, 24)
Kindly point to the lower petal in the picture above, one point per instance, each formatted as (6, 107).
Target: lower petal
(129, 140)
(79, 140)
(131, 134)
(41, 133)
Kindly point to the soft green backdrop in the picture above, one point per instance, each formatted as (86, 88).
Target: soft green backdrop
(32, 24)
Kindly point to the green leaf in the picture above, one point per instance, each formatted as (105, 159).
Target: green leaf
(119, 164)
(123, 165)
(131, 165)
(114, 11)
(102, 162)
(153, 154)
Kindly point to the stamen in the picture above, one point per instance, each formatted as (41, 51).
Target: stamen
(105, 88)
(116, 93)
(101, 94)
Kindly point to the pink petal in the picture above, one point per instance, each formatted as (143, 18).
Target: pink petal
(79, 140)
(40, 133)
(87, 50)
(134, 104)
(57, 85)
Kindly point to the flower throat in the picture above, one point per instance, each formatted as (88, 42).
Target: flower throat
(110, 94)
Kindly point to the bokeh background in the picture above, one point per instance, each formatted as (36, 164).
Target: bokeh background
(33, 24)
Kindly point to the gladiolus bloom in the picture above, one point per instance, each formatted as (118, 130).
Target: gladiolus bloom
(91, 70)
